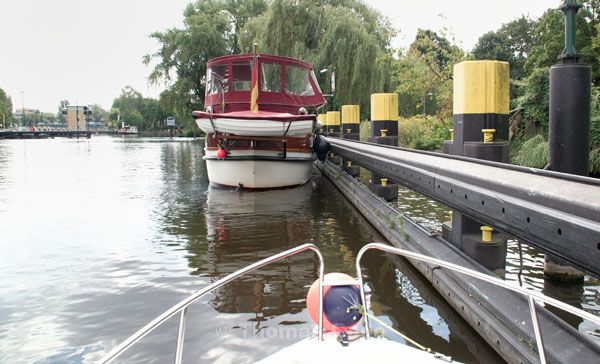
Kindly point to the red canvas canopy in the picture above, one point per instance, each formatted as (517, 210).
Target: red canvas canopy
(280, 84)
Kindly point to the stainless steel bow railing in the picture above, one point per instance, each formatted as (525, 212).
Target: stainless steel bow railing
(183, 305)
(531, 295)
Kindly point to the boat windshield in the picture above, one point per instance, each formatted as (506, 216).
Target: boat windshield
(241, 76)
(297, 81)
(271, 77)
(217, 77)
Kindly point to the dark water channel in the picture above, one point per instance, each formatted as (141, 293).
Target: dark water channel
(100, 236)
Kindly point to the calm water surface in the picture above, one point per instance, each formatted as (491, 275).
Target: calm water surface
(100, 236)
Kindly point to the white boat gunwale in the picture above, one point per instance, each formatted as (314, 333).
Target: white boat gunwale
(183, 305)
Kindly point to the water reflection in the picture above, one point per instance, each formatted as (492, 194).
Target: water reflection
(145, 231)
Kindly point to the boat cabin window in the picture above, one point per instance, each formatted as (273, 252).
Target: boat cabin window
(270, 77)
(241, 76)
(217, 77)
(297, 81)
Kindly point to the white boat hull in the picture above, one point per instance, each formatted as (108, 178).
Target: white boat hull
(255, 127)
(361, 351)
(254, 173)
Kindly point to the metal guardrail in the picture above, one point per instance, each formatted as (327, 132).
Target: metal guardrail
(531, 295)
(183, 305)
(554, 211)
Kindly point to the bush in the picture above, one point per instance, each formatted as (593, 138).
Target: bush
(533, 98)
(417, 132)
(532, 153)
(423, 132)
(595, 162)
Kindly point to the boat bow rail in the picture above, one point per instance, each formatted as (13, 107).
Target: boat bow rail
(531, 295)
(182, 306)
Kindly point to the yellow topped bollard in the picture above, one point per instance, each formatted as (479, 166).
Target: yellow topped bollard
(322, 119)
(350, 114)
(481, 87)
(333, 118)
(384, 107)
(333, 123)
(384, 130)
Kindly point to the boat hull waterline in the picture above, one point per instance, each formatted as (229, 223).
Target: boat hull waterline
(258, 174)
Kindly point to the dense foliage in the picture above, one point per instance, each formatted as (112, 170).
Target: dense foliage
(5, 107)
(211, 29)
(345, 34)
(133, 109)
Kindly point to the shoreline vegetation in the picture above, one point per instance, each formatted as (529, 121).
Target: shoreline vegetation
(356, 39)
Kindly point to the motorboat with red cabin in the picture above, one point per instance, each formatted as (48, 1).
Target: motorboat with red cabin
(259, 132)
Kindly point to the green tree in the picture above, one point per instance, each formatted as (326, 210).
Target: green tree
(210, 29)
(424, 75)
(60, 117)
(99, 115)
(5, 108)
(511, 43)
(548, 39)
(345, 34)
(132, 108)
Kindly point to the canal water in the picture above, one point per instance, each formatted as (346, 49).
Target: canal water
(98, 237)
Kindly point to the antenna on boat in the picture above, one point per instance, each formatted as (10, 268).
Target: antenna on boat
(254, 47)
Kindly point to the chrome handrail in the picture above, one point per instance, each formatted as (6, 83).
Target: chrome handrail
(182, 306)
(482, 276)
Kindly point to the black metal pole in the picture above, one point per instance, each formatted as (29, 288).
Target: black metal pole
(570, 104)
(569, 124)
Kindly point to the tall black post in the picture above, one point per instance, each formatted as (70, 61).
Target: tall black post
(569, 127)
(570, 100)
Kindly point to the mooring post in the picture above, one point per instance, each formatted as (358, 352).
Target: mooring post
(481, 111)
(322, 123)
(350, 130)
(569, 126)
(333, 131)
(333, 124)
(384, 130)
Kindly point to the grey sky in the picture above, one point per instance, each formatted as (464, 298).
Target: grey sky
(86, 51)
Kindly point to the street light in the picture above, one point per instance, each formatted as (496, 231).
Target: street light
(22, 92)
(429, 94)
(325, 70)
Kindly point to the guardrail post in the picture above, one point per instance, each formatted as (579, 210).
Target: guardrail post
(384, 130)
(481, 108)
(350, 130)
(569, 127)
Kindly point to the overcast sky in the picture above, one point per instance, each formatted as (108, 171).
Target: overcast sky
(86, 51)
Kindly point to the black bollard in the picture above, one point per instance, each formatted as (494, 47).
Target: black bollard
(569, 128)
(569, 135)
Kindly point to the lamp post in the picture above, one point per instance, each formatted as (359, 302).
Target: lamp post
(332, 94)
(569, 123)
(429, 94)
(22, 92)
